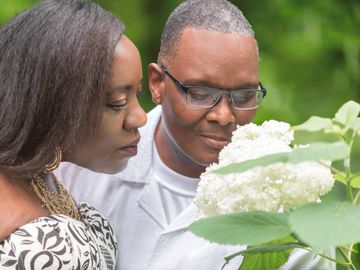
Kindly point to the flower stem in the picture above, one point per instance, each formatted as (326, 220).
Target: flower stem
(347, 259)
(333, 169)
(350, 250)
(352, 138)
(347, 164)
(347, 263)
(356, 197)
(349, 192)
(348, 179)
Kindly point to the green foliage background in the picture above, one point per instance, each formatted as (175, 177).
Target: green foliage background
(309, 50)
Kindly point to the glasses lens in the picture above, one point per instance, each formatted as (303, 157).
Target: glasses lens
(246, 99)
(201, 97)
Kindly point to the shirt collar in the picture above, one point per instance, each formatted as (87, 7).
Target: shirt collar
(138, 167)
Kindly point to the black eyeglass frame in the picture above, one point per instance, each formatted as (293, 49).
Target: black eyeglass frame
(186, 88)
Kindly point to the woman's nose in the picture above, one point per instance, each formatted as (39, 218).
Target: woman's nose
(136, 117)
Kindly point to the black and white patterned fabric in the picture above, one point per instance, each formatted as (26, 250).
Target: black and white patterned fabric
(60, 242)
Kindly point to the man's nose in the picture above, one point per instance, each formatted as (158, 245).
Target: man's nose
(222, 112)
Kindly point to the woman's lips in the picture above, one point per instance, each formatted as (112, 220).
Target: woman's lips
(131, 148)
(214, 141)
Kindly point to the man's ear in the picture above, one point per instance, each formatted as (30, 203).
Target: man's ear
(156, 79)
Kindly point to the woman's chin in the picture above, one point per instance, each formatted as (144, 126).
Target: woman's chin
(108, 168)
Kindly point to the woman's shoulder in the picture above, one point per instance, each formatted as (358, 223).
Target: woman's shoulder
(62, 242)
(98, 225)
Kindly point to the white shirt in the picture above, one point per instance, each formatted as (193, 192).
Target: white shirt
(175, 191)
(150, 236)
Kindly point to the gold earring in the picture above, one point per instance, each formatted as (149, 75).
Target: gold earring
(55, 164)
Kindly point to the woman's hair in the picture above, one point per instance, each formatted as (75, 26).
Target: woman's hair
(55, 64)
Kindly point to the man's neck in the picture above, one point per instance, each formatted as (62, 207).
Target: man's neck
(173, 156)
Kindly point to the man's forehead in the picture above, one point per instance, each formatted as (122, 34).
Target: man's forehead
(207, 43)
(203, 47)
(216, 59)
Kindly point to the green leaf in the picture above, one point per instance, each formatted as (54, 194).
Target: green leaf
(306, 137)
(250, 228)
(347, 113)
(267, 260)
(327, 224)
(314, 123)
(337, 193)
(320, 151)
(315, 151)
(355, 156)
(355, 124)
(248, 164)
(341, 177)
(270, 248)
(339, 258)
(355, 182)
(355, 256)
(286, 243)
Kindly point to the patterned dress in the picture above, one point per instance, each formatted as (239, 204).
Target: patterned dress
(60, 242)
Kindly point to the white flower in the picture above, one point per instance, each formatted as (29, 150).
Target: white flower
(276, 187)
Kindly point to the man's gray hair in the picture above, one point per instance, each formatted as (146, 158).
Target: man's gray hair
(211, 15)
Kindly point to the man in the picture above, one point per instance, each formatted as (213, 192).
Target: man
(207, 82)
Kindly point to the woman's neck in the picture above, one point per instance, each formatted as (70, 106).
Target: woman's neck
(19, 205)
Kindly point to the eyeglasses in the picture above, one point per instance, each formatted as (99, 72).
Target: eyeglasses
(207, 97)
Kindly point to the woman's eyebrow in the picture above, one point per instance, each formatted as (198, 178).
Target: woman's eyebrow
(126, 87)
(120, 88)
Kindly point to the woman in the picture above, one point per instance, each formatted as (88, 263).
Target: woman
(69, 85)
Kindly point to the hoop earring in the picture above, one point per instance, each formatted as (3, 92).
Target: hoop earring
(55, 164)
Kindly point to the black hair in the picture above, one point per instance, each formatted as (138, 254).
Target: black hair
(55, 62)
(210, 15)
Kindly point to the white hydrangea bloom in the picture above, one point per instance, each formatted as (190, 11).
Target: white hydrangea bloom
(276, 187)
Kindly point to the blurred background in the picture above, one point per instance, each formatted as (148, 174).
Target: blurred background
(309, 50)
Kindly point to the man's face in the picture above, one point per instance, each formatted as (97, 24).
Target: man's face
(212, 59)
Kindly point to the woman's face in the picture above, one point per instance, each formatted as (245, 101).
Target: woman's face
(117, 137)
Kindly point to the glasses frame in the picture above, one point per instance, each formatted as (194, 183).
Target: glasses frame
(186, 88)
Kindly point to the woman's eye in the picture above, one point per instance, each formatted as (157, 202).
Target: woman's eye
(119, 105)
